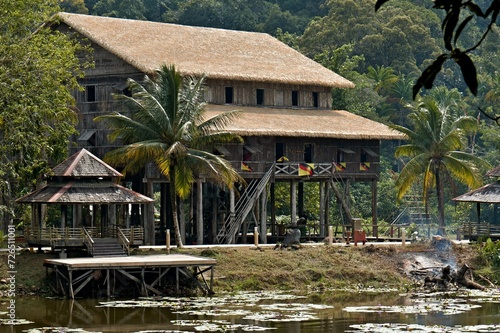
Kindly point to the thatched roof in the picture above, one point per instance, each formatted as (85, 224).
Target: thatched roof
(259, 121)
(494, 173)
(85, 164)
(85, 192)
(83, 178)
(217, 53)
(486, 194)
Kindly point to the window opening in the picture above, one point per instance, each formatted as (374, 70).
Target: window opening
(90, 93)
(127, 92)
(220, 150)
(260, 96)
(364, 156)
(308, 153)
(229, 95)
(88, 136)
(295, 98)
(280, 152)
(315, 97)
(340, 156)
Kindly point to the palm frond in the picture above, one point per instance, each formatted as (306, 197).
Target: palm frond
(126, 129)
(410, 173)
(409, 150)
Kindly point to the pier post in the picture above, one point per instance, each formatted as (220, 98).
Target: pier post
(168, 241)
(108, 286)
(330, 235)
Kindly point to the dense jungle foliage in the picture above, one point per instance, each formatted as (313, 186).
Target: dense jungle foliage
(382, 52)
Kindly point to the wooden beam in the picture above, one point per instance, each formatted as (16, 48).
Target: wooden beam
(344, 204)
(158, 279)
(133, 278)
(84, 283)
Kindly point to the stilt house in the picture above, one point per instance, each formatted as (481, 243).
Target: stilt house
(291, 134)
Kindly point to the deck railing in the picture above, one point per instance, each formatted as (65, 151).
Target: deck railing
(60, 237)
(87, 240)
(124, 241)
(135, 235)
(475, 229)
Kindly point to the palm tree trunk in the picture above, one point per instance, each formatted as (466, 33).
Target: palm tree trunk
(173, 201)
(440, 199)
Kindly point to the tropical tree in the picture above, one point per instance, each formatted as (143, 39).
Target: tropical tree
(436, 151)
(384, 77)
(38, 72)
(460, 16)
(166, 126)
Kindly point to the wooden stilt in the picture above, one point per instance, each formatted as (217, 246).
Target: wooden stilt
(133, 269)
(108, 284)
(177, 279)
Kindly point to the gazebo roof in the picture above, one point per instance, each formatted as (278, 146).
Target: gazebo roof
(83, 178)
(494, 173)
(486, 194)
(85, 192)
(84, 164)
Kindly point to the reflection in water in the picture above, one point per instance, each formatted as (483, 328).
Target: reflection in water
(273, 312)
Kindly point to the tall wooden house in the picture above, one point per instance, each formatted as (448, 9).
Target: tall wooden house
(291, 134)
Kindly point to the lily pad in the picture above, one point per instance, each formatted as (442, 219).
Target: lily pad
(218, 326)
(416, 328)
(16, 321)
(57, 330)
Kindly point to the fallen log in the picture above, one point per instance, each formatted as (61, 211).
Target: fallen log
(458, 278)
(461, 279)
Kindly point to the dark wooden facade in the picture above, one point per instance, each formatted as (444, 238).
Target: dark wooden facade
(347, 157)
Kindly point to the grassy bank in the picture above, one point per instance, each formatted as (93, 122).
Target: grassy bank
(309, 268)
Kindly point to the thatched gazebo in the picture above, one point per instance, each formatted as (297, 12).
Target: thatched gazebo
(83, 180)
(487, 194)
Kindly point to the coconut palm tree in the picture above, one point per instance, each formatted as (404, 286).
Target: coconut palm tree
(384, 77)
(436, 151)
(165, 125)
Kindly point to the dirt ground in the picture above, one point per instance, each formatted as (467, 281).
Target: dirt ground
(308, 268)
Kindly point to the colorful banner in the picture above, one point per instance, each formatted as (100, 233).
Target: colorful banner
(306, 169)
(364, 166)
(245, 167)
(340, 166)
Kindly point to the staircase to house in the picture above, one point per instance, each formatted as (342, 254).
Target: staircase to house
(416, 210)
(227, 234)
(107, 247)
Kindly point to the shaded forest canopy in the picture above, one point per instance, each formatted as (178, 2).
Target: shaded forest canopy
(382, 52)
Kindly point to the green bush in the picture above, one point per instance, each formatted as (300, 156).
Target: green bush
(489, 254)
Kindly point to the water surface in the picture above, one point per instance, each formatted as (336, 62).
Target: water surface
(317, 312)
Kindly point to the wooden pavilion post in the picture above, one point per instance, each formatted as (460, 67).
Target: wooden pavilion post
(293, 201)
(213, 224)
(327, 203)
(322, 224)
(199, 211)
(374, 209)
(273, 210)
(232, 212)
(182, 221)
(149, 216)
(64, 216)
(300, 199)
(263, 217)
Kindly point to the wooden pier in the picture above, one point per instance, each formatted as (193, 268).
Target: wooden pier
(146, 272)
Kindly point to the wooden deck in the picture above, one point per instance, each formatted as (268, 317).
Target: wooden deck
(475, 231)
(146, 273)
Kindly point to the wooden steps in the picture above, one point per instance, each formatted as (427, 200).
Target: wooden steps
(107, 247)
